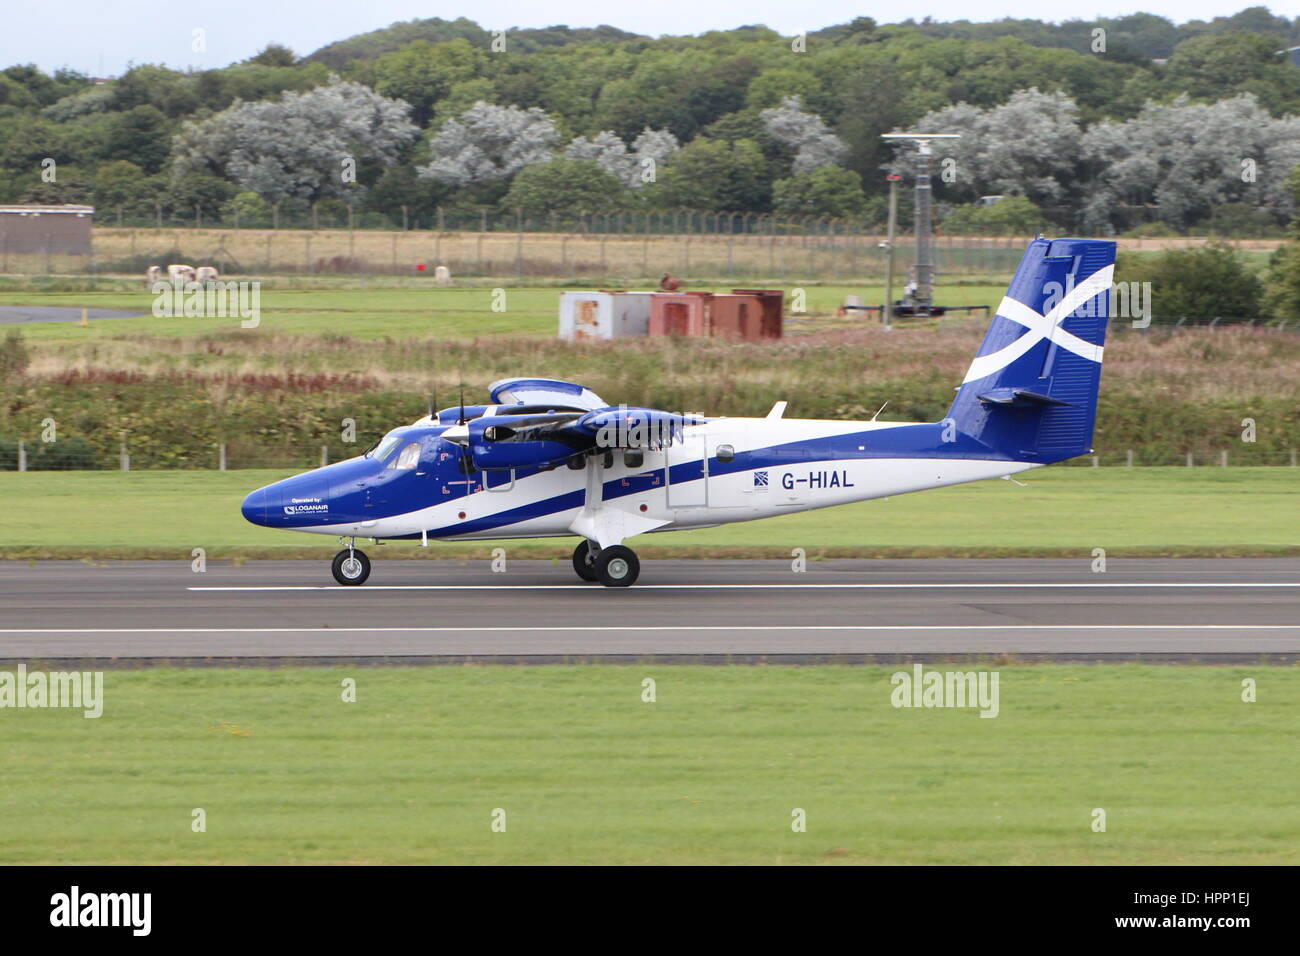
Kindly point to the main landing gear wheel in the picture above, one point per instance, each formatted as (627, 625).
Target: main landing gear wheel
(351, 567)
(584, 563)
(617, 566)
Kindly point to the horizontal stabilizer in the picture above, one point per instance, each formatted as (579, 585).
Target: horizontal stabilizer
(1017, 396)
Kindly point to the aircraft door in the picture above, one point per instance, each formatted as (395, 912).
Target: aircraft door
(688, 471)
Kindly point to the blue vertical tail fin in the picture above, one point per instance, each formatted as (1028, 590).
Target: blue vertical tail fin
(1031, 392)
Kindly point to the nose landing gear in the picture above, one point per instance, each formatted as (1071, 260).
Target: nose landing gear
(351, 566)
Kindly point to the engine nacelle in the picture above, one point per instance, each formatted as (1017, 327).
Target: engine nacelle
(499, 444)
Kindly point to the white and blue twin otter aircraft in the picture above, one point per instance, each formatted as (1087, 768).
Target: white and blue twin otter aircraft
(552, 459)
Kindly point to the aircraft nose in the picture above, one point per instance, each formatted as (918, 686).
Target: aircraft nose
(255, 506)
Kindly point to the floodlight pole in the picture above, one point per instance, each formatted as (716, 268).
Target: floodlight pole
(921, 297)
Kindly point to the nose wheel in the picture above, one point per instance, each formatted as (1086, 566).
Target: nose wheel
(351, 566)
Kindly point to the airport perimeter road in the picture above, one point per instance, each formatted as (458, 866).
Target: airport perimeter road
(1182, 608)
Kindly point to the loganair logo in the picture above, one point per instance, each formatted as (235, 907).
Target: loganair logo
(1042, 327)
(306, 506)
(760, 479)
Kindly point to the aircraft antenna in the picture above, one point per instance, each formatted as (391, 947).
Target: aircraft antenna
(461, 420)
(878, 411)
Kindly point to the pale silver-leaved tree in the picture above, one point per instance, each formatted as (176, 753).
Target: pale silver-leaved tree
(1187, 158)
(489, 142)
(304, 146)
(806, 133)
(610, 153)
(1030, 145)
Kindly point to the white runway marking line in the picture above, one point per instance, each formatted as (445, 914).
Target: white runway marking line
(681, 627)
(724, 587)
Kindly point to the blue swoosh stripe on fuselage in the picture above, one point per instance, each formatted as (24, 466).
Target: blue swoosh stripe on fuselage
(535, 509)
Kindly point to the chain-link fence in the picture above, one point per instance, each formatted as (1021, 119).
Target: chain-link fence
(609, 246)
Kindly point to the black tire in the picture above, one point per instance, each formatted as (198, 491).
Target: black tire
(584, 563)
(617, 566)
(354, 572)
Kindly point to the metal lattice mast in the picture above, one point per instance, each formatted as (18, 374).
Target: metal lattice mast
(919, 296)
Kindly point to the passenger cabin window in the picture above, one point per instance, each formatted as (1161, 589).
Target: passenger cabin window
(409, 457)
(726, 453)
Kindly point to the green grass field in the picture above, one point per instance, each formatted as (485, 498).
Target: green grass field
(1061, 510)
(711, 772)
(370, 313)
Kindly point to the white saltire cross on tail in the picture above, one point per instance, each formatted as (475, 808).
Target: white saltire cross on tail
(1044, 327)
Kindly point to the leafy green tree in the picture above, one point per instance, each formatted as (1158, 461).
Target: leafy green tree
(1009, 216)
(141, 135)
(1214, 67)
(275, 54)
(403, 186)
(248, 209)
(73, 187)
(1283, 291)
(713, 175)
(825, 191)
(772, 87)
(14, 94)
(1204, 283)
(124, 185)
(197, 189)
(568, 186)
(172, 92)
(422, 74)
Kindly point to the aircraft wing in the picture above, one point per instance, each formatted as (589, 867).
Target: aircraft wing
(499, 442)
(544, 391)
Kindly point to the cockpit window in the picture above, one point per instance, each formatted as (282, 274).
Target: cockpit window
(409, 457)
(385, 447)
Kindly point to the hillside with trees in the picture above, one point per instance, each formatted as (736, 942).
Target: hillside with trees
(1106, 126)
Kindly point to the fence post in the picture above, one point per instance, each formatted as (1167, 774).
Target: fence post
(221, 457)
(324, 455)
(1096, 461)
(1128, 458)
(22, 457)
(1292, 457)
(1189, 459)
(1223, 458)
(123, 459)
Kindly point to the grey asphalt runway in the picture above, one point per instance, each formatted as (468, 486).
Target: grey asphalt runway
(1187, 608)
(17, 314)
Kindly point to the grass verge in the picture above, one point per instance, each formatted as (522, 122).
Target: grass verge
(587, 772)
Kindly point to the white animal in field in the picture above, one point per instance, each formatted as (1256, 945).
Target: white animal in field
(442, 275)
(206, 274)
(182, 272)
(154, 274)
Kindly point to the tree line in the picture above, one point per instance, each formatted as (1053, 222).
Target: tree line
(1107, 126)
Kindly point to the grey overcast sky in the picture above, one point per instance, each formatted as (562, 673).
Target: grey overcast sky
(101, 37)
